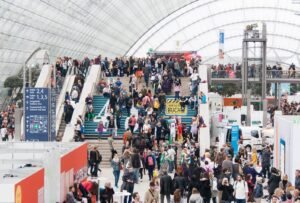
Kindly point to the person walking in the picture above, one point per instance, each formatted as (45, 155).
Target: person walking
(205, 188)
(128, 183)
(170, 158)
(165, 187)
(240, 190)
(132, 121)
(273, 181)
(95, 159)
(116, 166)
(136, 164)
(151, 196)
(150, 164)
(227, 191)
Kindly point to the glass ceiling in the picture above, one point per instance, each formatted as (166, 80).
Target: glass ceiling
(112, 28)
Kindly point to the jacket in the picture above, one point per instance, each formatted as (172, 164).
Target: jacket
(135, 160)
(266, 158)
(227, 194)
(166, 185)
(273, 182)
(179, 182)
(150, 196)
(94, 156)
(205, 189)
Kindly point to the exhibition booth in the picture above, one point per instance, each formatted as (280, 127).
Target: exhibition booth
(62, 164)
(22, 185)
(286, 140)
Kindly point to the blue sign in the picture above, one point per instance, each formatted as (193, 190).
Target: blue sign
(53, 115)
(235, 138)
(221, 37)
(36, 114)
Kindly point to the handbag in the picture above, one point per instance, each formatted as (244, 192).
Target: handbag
(120, 166)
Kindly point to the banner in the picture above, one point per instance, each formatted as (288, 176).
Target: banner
(73, 168)
(37, 114)
(235, 138)
(173, 107)
(221, 44)
(233, 102)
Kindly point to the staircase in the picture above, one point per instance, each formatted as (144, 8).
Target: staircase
(104, 150)
(91, 126)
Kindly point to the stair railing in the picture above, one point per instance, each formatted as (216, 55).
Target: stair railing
(98, 118)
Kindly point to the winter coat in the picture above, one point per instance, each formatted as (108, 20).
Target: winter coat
(166, 185)
(135, 160)
(273, 182)
(179, 182)
(205, 189)
(227, 194)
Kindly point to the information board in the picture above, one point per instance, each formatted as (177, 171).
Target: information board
(37, 114)
(173, 107)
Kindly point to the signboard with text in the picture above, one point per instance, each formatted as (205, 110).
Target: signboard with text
(173, 107)
(37, 114)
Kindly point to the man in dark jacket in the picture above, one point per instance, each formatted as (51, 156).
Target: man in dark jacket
(136, 164)
(95, 159)
(165, 187)
(266, 162)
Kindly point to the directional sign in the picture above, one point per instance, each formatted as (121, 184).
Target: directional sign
(37, 114)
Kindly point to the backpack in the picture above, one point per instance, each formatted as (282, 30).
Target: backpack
(150, 161)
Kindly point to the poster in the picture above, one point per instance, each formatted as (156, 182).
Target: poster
(235, 138)
(173, 107)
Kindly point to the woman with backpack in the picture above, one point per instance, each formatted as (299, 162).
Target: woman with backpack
(150, 164)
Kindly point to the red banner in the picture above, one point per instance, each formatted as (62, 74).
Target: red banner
(30, 189)
(238, 102)
(73, 168)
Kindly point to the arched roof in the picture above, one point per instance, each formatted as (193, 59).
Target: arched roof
(114, 27)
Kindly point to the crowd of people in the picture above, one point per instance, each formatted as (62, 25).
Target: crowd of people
(292, 108)
(68, 66)
(149, 102)
(235, 71)
(179, 173)
(7, 121)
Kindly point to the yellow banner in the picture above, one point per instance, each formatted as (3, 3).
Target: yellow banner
(173, 107)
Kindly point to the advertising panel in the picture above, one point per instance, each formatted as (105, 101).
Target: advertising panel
(235, 138)
(31, 189)
(173, 108)
(73, 168)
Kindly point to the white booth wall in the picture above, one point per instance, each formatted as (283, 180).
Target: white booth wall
(286, 145)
